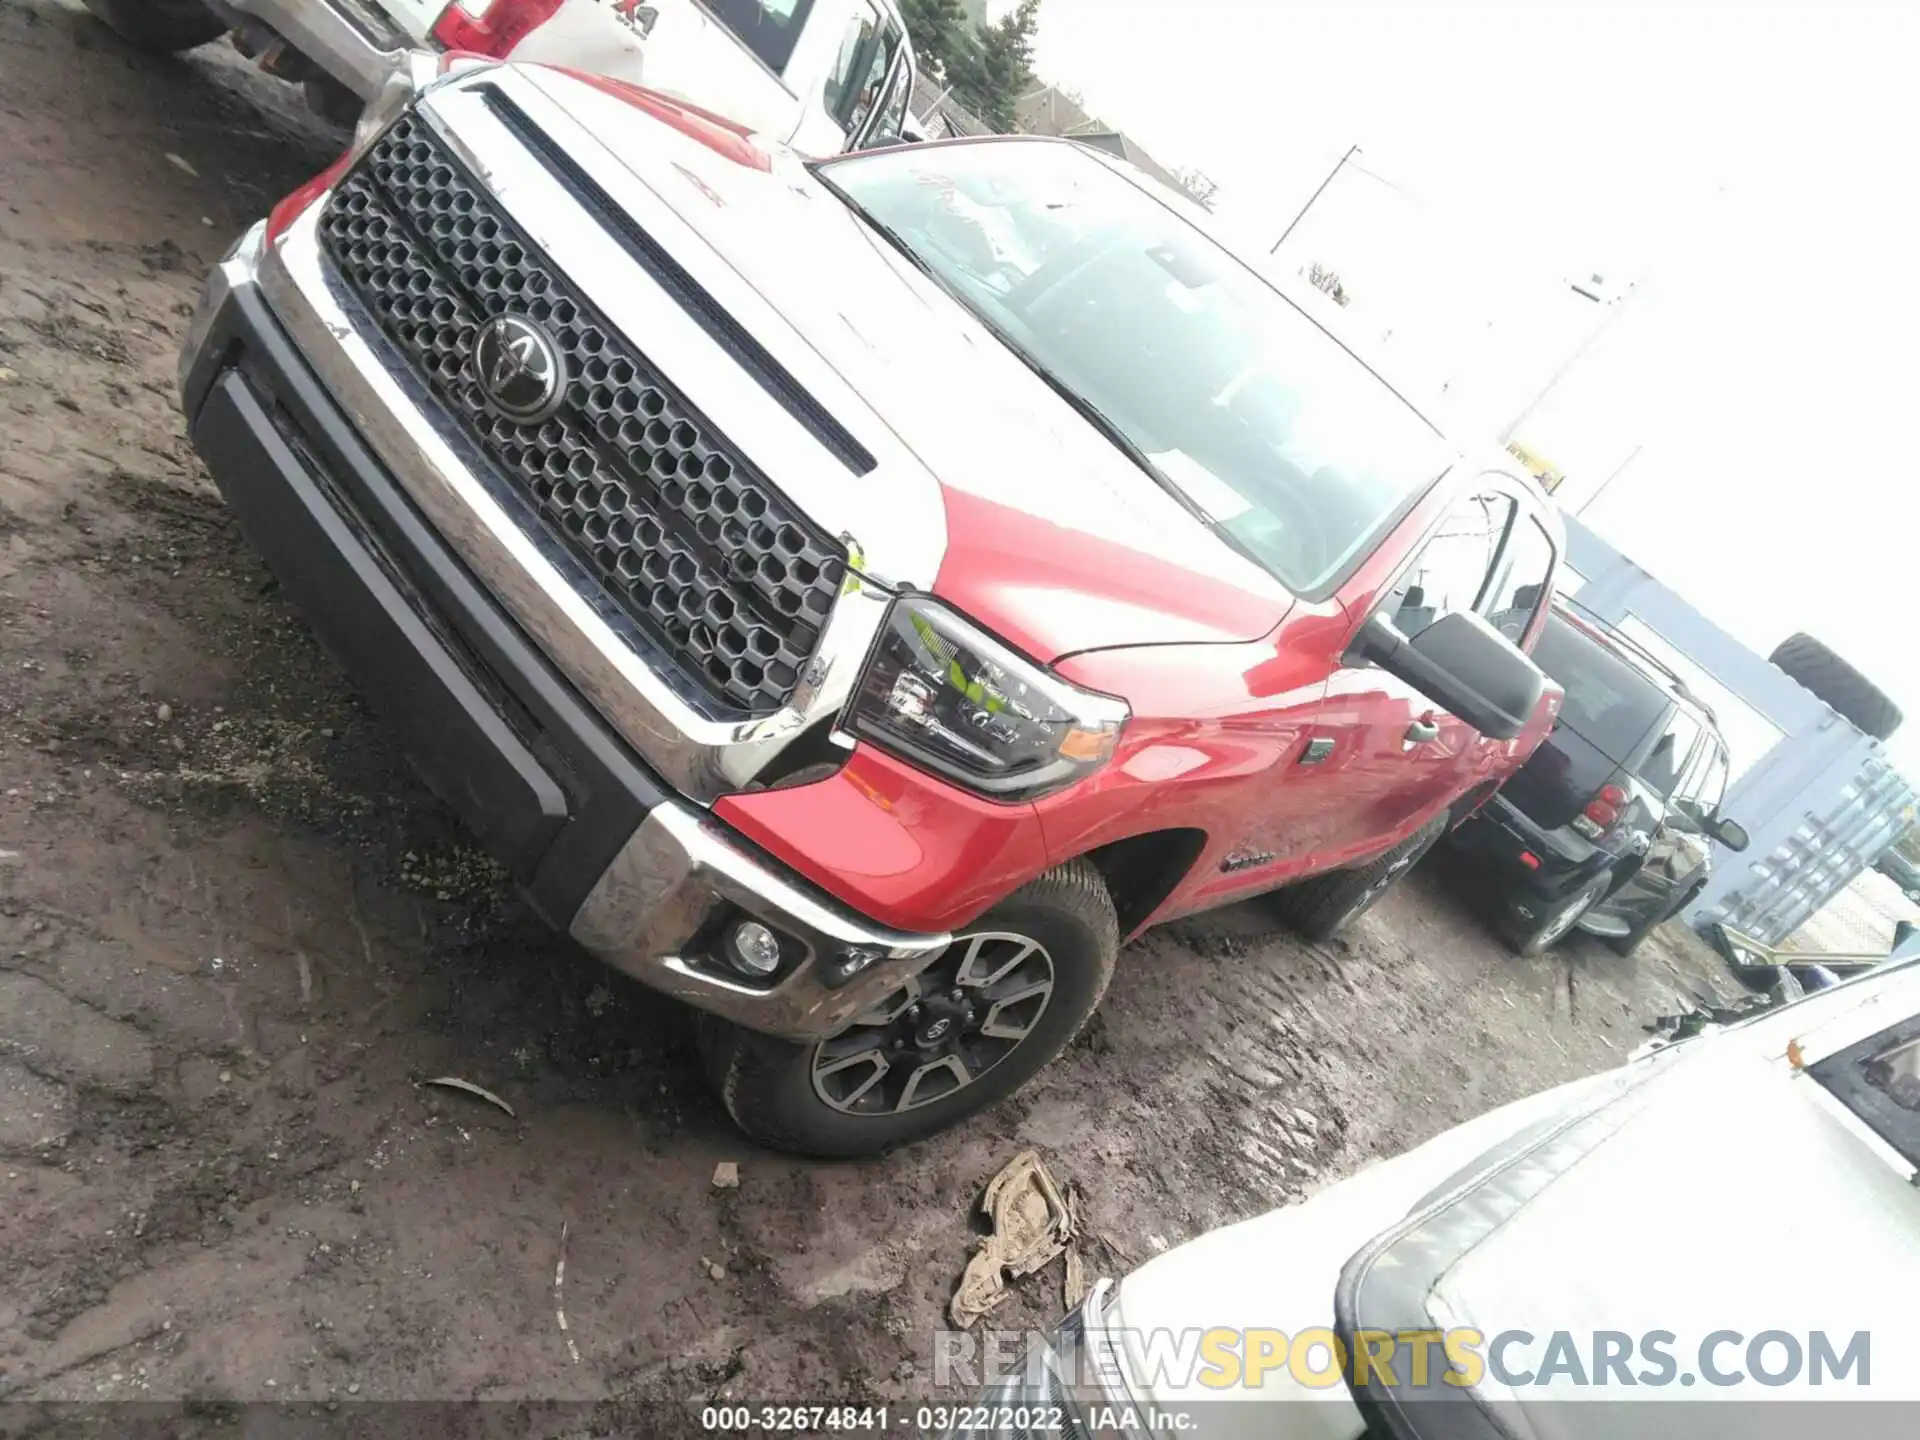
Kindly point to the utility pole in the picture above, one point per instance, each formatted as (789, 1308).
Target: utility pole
(1352, 150)
(1601, 488)
(1593, 336)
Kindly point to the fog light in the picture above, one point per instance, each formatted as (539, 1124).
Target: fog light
(753, 949)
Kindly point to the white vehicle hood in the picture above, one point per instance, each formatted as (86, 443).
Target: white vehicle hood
(1279, 1271)
(1713, 1187)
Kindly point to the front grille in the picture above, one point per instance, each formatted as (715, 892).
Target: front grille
(730, 579)
(671, 276)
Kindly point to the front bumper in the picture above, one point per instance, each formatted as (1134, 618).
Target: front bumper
(602, 847)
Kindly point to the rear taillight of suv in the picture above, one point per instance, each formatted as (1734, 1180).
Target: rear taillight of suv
(492, 27)
(1603, 812)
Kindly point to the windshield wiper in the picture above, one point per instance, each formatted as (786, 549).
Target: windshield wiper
(880, 227)
(1120, 440)
(1108, 427)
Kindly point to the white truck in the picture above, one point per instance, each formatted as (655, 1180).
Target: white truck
(823, 76)
(1727, 1219)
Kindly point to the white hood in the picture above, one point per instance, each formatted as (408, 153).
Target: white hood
(1711, 1187)
(1278, 1271)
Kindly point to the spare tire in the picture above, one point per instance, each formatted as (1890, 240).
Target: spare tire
(1849, 692)
(163, 26)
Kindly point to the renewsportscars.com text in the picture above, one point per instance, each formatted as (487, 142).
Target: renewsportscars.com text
(1226, 1359)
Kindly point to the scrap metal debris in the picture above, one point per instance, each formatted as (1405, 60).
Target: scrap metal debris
(451, 1082)
(1032, 1222)
(1073, 1289)
(1777, 976)
(1702, 1017)
(1760, 965)
(1073, 1284)
(559, 1293)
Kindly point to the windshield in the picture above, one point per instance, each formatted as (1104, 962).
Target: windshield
(1242, 404)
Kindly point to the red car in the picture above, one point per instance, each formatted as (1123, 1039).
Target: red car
(854, 598)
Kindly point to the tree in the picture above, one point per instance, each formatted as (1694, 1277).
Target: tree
(1322, 278)
(937, 28)
(1200, 186)
(991, 68)
(1006, 62)
(988, 67)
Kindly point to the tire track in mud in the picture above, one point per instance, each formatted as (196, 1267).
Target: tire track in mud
(1362, 1034)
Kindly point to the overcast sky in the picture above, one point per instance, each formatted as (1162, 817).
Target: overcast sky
(1755, 163)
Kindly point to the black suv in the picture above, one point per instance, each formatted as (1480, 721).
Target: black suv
(1609, 826)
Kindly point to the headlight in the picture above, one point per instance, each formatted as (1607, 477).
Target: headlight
(944, 694)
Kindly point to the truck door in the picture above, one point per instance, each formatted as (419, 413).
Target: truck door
(889, 119)
(743, 59)
(860, 84)
(1398, 757)
(416, 17)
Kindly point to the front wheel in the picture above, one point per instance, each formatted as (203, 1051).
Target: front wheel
(162, 26)
(1001, 1001)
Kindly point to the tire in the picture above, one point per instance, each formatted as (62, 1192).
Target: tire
(1324, 906)
(161, 26)
(773, 1089)
(1529, 938)
(1816, 668)
(1631, 941)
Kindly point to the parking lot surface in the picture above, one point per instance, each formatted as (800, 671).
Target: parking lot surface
(236, 934)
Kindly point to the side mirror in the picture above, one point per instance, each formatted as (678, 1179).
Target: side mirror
(1463, 665)
(1730, 833)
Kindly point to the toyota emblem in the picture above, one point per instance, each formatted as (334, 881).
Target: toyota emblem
(520, 369)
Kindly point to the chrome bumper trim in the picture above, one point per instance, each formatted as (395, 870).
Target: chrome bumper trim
(237, 267)
(328, 37)
(665, 887)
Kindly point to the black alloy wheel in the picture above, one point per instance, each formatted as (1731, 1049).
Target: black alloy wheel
(1004, 997)
(945, 1029)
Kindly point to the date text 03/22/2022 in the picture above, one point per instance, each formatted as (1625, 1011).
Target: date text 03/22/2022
(934, 1419)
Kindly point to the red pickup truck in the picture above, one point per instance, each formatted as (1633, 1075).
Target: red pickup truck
(855, 597)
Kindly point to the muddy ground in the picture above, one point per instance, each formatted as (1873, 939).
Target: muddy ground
(235, 933)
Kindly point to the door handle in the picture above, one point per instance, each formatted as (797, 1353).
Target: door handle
(1421, 731)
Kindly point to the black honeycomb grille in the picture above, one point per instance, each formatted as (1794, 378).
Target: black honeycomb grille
(716, 566)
